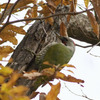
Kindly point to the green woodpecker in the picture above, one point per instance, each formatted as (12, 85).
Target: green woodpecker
(55, 53)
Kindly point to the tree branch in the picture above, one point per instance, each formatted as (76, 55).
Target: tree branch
(9, 15)
(5, 10)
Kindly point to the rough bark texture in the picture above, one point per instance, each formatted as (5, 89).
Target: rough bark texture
(36, 38)
(80, 28)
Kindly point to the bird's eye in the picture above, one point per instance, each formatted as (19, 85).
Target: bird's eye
(64, 40)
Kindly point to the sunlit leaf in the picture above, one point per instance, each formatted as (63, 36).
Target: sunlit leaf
(86, 3)
(13, 79)
(1, 79)
(55, 89)
(19, 90)
(5, 70)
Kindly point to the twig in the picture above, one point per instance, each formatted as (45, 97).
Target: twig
(12, 9)
(84, 46)
(53, 15)
(5, 10)
(93, 46)
(78, 94)
(7, 22)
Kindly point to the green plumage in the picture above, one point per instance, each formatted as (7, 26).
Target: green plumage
(55, 53)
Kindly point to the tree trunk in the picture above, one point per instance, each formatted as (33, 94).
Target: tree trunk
(39, 35)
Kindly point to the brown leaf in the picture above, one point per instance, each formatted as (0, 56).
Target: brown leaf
(72, 9)
(70, 71)
(4, 51)
(9, 33)
(4, 5)
(63, 29)
(55, 89)
(46, 12)
(96, 5)
(68, 65)
(68, 78)
(51, 4)
(23, 3)
(94, 23)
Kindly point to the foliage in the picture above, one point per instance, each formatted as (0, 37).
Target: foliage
(8, 32)
(8, 90)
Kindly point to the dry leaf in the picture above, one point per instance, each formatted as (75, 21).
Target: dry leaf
(32, 74)
(96, 5)
(63, 29)
(68, 65)
(68, 78)
(4, 51)
(55, 89)
(94, 23)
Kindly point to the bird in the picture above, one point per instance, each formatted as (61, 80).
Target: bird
(55, 53)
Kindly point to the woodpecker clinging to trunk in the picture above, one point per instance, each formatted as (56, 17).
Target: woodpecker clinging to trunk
(56, 53)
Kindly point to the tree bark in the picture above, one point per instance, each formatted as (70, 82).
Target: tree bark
(39, 35)
(80, 28)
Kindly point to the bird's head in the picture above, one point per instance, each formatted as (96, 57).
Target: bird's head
(67, 42)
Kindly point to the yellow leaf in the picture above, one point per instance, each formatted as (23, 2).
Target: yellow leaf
(4, 51)
(13, 79)
(1, 79)
(94, 23)
(86, 3)
(5, 70)
(5, 88)
(19, 90)
(21, 98)
(55, 89)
